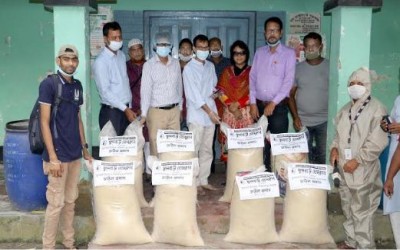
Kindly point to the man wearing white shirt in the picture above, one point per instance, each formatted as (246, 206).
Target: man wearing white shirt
(112, 81)
(161, 91)
(199, 80)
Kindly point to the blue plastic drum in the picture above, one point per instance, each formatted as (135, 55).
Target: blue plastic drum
(23, 171)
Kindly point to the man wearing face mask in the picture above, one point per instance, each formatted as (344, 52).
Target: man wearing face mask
(358, 142)
(271, 78)
(65, 142)
(134, 68)
(110, 74)
(185, 52)
(161, 91)
(216, 57)
(308, 101)
(185, 55)
(200, 80)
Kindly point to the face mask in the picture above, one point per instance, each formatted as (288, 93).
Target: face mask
(115, 46)
(216, 53)
(185, 58)
(311, 55)
(202, 55)
(64, 73)
(163, 51)
(273, 44)
(356, 91)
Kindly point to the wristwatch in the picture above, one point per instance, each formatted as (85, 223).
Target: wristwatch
(85, 146)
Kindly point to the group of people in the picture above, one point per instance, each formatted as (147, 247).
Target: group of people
(203, 88)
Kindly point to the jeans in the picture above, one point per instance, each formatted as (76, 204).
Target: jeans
(278, 123)
(317, 134)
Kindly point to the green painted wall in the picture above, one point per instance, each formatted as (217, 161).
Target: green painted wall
(26, 54)
(385, 51)
(29, 53)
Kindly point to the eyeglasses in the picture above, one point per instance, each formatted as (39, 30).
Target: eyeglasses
(163, 44)
(273, 31)
(239, 53)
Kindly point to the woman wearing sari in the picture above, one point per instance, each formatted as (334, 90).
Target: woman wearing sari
(233, 88)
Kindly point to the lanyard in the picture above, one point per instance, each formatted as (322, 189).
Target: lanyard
(356, 117)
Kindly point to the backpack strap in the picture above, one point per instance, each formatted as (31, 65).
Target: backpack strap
(57, 101)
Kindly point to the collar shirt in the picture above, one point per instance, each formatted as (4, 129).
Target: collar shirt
(199, 81)
(272, 74)
(111, 78)
(161, 84)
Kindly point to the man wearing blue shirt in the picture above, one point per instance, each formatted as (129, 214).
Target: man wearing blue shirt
(112, 81)
(65, 142)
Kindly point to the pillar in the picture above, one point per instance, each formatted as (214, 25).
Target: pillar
(350, 49)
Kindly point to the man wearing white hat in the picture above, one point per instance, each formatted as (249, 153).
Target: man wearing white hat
(356, 148)
(134, 66)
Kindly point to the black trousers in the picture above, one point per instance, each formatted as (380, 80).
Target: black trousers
(116, 116)
(278, 123)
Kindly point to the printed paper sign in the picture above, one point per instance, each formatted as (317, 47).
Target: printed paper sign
(288, 143)
(118, 146)
(301, 175)
(172, 172)
(257, 186)
(113, 173)
(245, 138)
(304, 23)
(174, 140)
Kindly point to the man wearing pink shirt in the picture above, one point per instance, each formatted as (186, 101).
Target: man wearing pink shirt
(271, 78)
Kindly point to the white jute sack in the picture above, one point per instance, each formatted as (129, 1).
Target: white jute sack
(251, 221)
(136, 129)
(117, 211)
(241, 160)
(175, 219)
(279, 164)
(305, 213)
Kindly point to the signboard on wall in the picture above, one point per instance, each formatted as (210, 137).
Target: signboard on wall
(300, 24)
(97, 21)
(303, 23)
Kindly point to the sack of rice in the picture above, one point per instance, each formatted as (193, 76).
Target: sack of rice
(306, 216)
(245, 159)
(175, 219)
(279, 166)
(117, 211)
(252, 221)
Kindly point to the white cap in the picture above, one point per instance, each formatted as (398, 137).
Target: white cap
(134, 41)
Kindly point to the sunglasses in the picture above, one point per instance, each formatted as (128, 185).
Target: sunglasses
(239, 53)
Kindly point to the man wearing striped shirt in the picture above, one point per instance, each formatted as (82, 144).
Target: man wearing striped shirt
(161, 91)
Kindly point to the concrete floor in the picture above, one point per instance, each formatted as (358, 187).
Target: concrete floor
(23, 230)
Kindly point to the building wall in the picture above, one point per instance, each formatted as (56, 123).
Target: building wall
(27, 47)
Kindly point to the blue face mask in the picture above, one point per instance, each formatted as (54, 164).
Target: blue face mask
(202, 54)
(163, 51)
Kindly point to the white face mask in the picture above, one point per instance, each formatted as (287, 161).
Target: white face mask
(64, 73)
(185, 58)
(356, 91)
(115, 46)
(216, 53)
(202, 54)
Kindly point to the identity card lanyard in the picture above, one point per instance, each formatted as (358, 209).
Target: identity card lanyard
(356, 117)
